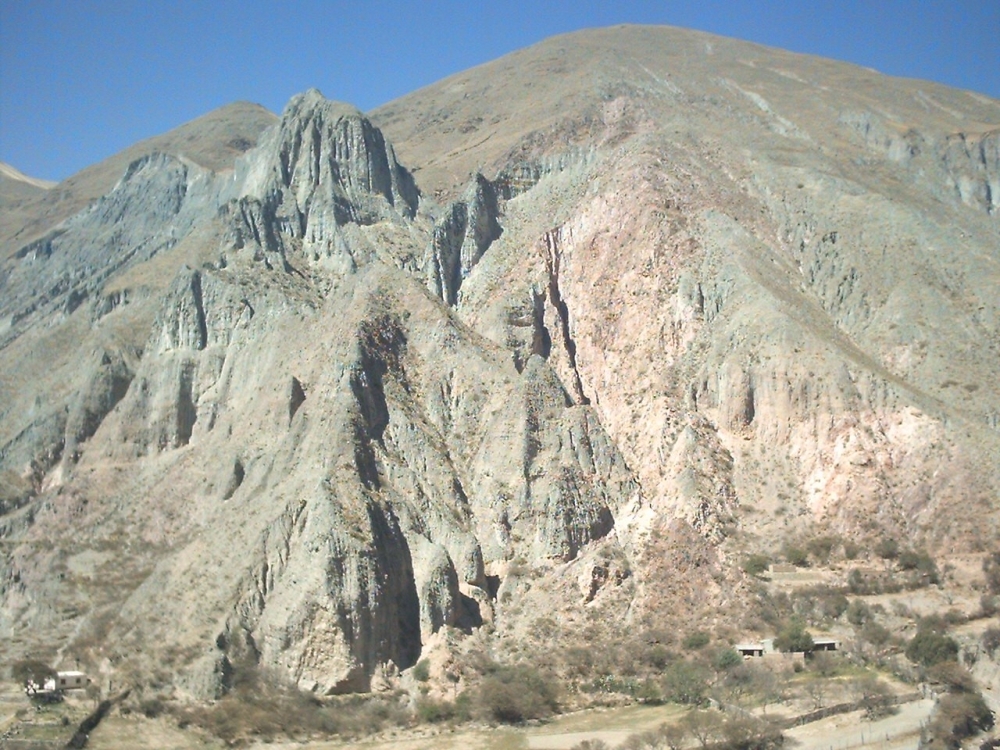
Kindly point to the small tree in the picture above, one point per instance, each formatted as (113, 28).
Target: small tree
(696, 640)
(513, 694)
(953, 676)
(959, 716)
(796, 555)
(858, 613)
(756, 564)
(674, 735)
(874, 697)
(821, 547)
(930, 647)
(422, 671)
(875, 634)
(817, 691)
(767, 686)
(685, 682)
(793, 638)
(991, 641)
(726, 659)
(704, 726)
(32, 669)
(887, 548)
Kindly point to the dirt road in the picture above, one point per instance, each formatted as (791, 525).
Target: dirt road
(900, 731)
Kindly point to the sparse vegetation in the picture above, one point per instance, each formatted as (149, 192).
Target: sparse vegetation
(887, 548)
(422, 671)
(432, 711)
(795, 555)
(858, 613)
(696, 640)
(256, 707)
(756, 564)
(514, 694)
(712, 729)
(686, 682)
(957, 717)
(821, 547)
(31, 669)
(991, 641)
(930, 647)
(991, 569)
(794, 637)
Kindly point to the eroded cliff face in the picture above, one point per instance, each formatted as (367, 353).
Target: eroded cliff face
(328, 422)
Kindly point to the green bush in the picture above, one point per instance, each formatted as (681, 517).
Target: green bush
(833, 604)
(991, 641)
(991, 567)
(727, 658)
(821, 547)
(515, 694)
(875, 634)
(794, 637)
(649, 692)
(887, 548)
(858, 613)
(957, 717)
(755, 565)
(686, 682)
(696, 640)
(796, 555)
(152, 707)
(953, 676)
(432, 711)
(919, 562)
(422, 671)
(656, 655)
(930, 647)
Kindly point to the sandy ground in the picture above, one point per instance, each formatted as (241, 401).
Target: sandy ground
(897, 732)
(900, 731)
(611, 725)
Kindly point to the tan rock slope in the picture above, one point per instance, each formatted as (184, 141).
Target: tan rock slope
(614, 309)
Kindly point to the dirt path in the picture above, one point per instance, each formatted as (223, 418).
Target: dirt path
(900, 731)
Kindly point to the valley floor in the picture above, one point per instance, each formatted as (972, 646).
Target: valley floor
(900, 731)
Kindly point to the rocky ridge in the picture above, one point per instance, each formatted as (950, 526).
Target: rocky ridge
(328, 409)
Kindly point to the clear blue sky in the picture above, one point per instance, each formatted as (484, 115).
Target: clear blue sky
(80, 80)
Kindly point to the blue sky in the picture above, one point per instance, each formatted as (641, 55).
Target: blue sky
(80, 80)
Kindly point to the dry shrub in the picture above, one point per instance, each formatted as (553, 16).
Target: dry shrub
(256, 710)
(515, 694)
(958, 716)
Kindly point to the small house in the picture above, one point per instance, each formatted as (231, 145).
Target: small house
(825, 644)
(71, 680)
(750, 650)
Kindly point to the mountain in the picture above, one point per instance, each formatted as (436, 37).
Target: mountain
(212, 141)
(564, 336)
